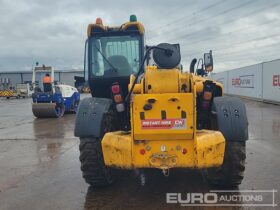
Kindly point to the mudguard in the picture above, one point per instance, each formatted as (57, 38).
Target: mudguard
(231, 118)
(89, 116)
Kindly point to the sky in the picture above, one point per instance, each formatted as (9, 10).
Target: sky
(239, 32)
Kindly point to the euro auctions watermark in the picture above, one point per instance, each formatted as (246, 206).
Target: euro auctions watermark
(250, 198)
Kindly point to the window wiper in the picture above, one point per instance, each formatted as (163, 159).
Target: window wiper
(104, 57)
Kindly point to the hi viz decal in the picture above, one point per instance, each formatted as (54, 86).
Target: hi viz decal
(172, 124)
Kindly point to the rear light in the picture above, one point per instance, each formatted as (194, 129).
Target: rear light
(120, 107)
(142, 151)
(115, 89)
(184, 151)
(207, 96)
(117, 98)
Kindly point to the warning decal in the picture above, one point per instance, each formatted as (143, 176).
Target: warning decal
(173, 124)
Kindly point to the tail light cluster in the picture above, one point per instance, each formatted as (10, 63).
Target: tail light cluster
(207, 95)
(117, 97)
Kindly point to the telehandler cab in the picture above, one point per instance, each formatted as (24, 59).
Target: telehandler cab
(154, 116)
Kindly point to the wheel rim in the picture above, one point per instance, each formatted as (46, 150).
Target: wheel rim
(59, 110)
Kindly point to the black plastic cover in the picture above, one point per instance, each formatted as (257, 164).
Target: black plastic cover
(89, 116)
(231, 118)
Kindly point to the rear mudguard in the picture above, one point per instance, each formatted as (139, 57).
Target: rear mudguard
(89, 116)
(230, 118)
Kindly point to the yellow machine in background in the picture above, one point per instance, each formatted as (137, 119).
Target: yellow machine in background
(155, 116)
(17, 91)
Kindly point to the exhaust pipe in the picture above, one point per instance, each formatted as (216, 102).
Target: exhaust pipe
(192, 65)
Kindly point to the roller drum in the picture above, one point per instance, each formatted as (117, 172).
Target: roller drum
(47, 110)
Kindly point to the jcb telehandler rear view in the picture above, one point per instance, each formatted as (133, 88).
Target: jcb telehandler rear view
(155, 116)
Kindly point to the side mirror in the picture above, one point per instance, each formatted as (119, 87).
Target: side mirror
(208, 61)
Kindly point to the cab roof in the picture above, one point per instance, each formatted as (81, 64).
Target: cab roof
(98, 28)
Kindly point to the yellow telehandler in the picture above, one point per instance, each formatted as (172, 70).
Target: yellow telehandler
(155, 116)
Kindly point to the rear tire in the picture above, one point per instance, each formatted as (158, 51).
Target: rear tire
(94, 170)
(231, 173)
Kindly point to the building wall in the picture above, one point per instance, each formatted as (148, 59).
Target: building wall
(26, 77)
(14, 77)
(69, 77)
(22, 77)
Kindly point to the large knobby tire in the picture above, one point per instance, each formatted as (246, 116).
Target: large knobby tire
(231, 173)
(93, 167)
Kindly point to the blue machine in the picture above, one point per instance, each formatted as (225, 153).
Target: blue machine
(62, 99)
(54, 100)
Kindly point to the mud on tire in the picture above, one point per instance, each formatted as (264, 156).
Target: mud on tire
(231, 173)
